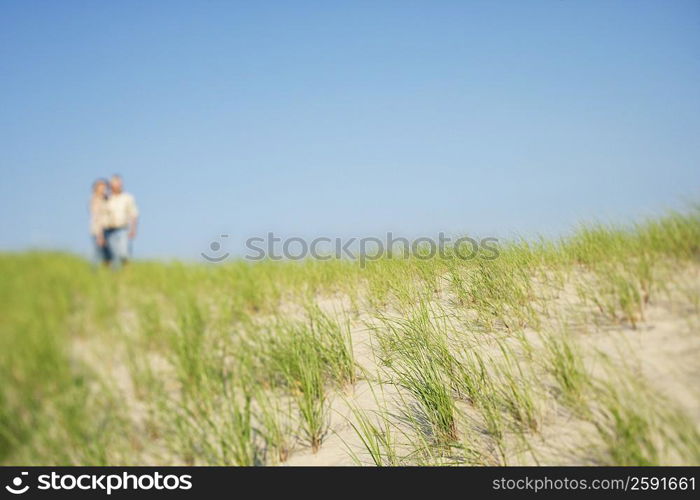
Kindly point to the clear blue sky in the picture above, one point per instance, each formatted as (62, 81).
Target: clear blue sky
(345, 118)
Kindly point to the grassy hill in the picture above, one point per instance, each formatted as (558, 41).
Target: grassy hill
(580, 351)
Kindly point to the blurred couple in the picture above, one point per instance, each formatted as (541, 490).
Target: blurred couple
(113, 220)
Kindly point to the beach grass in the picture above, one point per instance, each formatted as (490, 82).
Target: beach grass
(466, 361)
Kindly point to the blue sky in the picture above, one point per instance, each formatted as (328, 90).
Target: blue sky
(345, 118)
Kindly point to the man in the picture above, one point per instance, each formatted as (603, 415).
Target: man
(122, 219)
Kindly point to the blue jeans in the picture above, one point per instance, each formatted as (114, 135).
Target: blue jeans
(101, 254)
(118, 245)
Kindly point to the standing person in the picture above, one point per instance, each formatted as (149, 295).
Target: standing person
(122, 219)
(98, 221)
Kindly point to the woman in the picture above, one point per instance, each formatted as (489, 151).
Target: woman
(98, 220)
